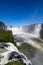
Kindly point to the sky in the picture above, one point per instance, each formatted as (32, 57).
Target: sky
(21, 12)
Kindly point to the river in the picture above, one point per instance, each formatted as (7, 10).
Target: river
(36, 43)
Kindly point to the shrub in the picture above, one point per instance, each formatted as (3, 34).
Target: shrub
(15, 63)
(2, 26)
(6, 36)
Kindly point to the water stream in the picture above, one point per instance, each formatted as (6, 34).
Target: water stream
(10, 53)
(37, 30)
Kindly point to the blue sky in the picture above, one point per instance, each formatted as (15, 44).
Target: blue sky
(21, 12)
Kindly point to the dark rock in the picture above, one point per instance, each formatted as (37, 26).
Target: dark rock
(15, 55)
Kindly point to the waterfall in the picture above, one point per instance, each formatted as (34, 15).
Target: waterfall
(32, 29)
(37, 30)
(11, 53)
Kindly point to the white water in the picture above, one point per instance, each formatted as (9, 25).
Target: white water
(37, 30)
(5, 55)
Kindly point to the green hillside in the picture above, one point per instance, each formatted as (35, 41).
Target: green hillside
(15, 63)
(6, 36)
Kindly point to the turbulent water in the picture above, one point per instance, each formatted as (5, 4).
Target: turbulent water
(35, 43)
(29, 34)
(9, 52)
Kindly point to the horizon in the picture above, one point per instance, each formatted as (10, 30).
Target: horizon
(21, 12)
(23, 25)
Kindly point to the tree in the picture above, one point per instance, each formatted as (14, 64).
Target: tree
(2, 26)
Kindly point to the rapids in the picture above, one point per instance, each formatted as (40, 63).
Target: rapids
(9, 53)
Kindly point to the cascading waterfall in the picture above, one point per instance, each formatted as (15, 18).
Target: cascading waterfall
(11, 53)
(37, 30)
(32, 29)
(16, 30)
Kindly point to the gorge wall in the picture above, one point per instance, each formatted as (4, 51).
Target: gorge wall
(35, 29)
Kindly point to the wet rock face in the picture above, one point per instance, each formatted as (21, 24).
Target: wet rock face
(2, 26)
(16, 55)
(41, 31)
(2, 45)
(42, 26)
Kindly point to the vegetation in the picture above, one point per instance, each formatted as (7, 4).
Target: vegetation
(1, 23)
(2, 26)
(6, 36)
(15, 63)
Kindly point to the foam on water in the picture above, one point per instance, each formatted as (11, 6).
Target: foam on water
(11, 48)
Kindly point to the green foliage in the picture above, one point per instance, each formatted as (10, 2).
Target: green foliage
(15, 63)
(1, 23)
(6, 36)
(2, 26)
